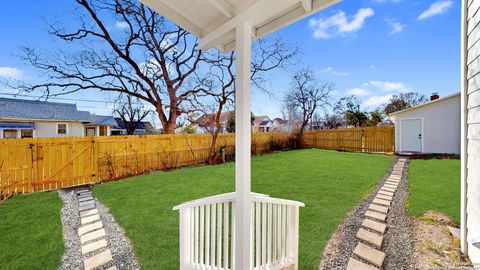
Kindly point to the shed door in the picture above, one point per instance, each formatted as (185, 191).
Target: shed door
(411, 137)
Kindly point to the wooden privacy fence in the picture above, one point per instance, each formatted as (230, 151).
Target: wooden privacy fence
(29, 165)
(368, 139)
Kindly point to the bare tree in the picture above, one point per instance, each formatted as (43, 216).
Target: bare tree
(332, 121)
(215, 90)
(131, 113)
(146, 57)
(306, 95)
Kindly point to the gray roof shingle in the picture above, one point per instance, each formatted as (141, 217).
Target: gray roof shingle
(32, 109)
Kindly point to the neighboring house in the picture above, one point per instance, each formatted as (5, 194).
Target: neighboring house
(100, 125)
(40, 119)
(280, 124)
(35, 119)
(433, 127)
(262, 124)
(120, 129)
(470, 125)
(206, 123)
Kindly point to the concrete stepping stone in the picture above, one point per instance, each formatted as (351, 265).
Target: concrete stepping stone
(81, 190)
(84, 199)
(373, 225)
(86, 193)
(90, 212)
(394, 182)
(92, 235)
(381, 202)
(94, 246)
(390, 185)
(369, 254)
(98, 260)
(90, 227)
(370, 237)
(388, 189)
(113, 267)
(384, 197)
(90, 219)
(80, 204)
(376, 215)
(388, 193)
(378, 208)
(86, 207)
(358, 265)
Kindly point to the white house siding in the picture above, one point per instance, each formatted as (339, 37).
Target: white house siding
(440, 125)
(471, 129)
(49, 129)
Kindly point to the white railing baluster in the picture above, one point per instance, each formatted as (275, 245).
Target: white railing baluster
(202, 233)
(264, 233)
(233, 238)
(279, 232)
(219, 235)
(213, 234)
(195, 235)
(207, 235)
(226, 231)
(257, 234)
(269, 240)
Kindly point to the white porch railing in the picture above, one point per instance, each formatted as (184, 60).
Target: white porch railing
(207, 233)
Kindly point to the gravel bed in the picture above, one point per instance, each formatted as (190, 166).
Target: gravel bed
(119, 244)
(72, 257)
(340, 247)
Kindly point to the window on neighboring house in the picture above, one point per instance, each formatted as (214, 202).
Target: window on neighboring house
(10, 133)
(26, 133)
(103, 131)
(62, 129)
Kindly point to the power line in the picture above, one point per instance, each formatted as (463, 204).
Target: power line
(59, 98)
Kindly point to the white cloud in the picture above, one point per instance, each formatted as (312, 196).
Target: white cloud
(358, 92)
(372, 66)
(121, 25)
(388, 86)
(376, 101)
(336, 72)
(11, 73)
(436, 8)
(339, 23)
(397, 27)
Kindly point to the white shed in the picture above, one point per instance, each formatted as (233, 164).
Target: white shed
(433, 127)
(470, 207)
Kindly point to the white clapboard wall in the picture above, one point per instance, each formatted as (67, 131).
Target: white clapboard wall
(471, 130)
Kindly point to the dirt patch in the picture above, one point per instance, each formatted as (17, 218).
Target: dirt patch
(435, 247)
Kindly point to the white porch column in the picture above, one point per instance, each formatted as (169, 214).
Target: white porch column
(243, 128)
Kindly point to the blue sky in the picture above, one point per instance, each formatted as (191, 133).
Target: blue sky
(371, 48)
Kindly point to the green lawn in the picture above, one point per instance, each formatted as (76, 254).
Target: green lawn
(31, 232)
(330, 183)
(435, 185)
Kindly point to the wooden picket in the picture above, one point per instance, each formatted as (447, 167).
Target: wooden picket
(368, 139)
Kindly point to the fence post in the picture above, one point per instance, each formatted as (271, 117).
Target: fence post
(185, 238)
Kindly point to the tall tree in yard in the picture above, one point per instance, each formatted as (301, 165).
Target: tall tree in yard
(305, 96)
(145, 57)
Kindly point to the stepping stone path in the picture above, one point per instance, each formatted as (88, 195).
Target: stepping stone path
(95, 250)
(368, 254)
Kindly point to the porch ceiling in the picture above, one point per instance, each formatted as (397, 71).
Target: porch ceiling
(214, 21)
